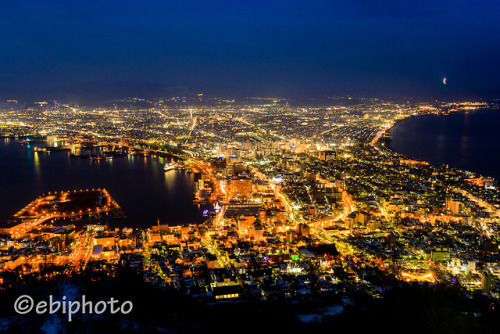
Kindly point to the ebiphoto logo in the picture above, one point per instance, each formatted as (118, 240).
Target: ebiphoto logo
(25, 304)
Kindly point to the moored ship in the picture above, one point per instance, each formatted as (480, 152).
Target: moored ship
(170, 166)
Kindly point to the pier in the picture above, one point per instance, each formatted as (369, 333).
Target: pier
(64, 204)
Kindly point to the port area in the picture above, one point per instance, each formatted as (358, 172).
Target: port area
(64, 204)
(49, 149)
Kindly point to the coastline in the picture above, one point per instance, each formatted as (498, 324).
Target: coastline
(385, 142)
(399, 121)
(386, 139)
(146, 175)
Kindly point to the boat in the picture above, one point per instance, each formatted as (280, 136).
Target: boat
(170, 166)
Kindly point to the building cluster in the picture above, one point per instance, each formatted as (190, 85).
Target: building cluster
(307, 199)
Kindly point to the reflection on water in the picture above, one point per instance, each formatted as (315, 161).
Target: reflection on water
(467, 140)
(464, 149)
(138, 184)
(36, 163)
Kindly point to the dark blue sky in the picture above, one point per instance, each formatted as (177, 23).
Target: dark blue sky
(395, 47)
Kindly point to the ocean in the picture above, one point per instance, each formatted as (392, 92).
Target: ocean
(465, 140)
(138, 184)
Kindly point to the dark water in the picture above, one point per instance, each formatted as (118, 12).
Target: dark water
(138, 184)
(465, 140)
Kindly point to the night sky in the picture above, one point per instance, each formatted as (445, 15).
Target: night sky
(274, 48)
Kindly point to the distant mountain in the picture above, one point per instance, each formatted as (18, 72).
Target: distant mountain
(95, 92)
(92, 92)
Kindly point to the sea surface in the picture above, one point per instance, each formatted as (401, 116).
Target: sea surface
(138, 184)
(465, 140)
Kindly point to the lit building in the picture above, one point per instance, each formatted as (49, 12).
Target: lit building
(452, 205)
(488, 281)
(440, 254)
(241, 187)
(326, 155)
(258, 231)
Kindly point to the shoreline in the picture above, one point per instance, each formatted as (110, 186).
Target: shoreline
(385, 142)
(105, 174)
